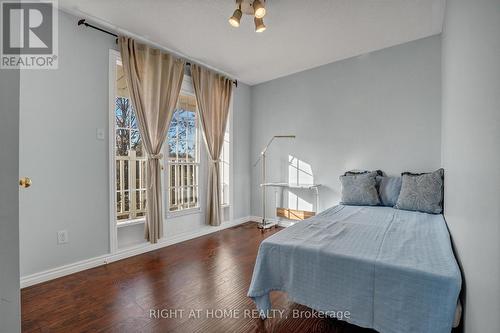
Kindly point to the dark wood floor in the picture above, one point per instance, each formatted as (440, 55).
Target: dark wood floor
(205, 274)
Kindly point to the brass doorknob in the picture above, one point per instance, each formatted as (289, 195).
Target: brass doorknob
(25, 182)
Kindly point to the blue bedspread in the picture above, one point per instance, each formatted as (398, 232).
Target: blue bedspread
(392, 270)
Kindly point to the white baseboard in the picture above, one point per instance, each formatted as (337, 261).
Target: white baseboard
(53, 273)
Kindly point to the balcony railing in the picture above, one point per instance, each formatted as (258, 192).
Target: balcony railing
(183, 185)
(130, 186)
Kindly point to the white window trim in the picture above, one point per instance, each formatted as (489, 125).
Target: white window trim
(231, 161)
(183, 212)
(127, 223)
(114, 56)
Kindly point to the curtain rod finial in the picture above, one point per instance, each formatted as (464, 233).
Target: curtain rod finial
(82, 21)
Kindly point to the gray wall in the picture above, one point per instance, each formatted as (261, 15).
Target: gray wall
(471, 152)
(60, 113)
(241, 150)
(9, 202)
(376, 111)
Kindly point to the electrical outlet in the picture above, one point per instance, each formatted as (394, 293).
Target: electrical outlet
(62, 237)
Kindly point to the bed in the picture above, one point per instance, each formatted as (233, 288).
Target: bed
(390, 270)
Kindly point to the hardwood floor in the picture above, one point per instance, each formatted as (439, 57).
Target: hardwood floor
(207, 273)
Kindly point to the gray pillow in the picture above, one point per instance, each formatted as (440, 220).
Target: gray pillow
(422, 192)
(388, 190)
(359, 190)
(361, 172)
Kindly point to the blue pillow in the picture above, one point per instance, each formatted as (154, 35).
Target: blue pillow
(388, 190)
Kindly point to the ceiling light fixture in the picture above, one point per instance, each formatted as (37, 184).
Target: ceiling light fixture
(255, 8)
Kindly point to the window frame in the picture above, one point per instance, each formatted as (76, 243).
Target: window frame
(229, 162)
(114, 56)
(188, 90)
(230, 206)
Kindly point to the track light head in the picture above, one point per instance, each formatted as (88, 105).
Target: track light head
(259, 24)
(235, 19)
(259, 9)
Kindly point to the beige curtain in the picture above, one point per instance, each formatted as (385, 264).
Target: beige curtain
(154, 79)
(213, 94)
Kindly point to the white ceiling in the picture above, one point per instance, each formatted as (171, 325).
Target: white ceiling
(301, 34)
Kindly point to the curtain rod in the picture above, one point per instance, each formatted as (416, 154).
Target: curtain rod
(83, 22)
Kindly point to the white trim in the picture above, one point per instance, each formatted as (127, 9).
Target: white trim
(32, 279)
(127, 223)
(230, 206)
(182, 212)
(231, 159)
(113, 228)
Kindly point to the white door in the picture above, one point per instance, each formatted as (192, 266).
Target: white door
(9, 202)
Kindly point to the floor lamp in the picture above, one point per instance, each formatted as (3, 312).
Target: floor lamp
(264, 224)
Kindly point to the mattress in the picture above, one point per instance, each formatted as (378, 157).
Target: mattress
(390, 270)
